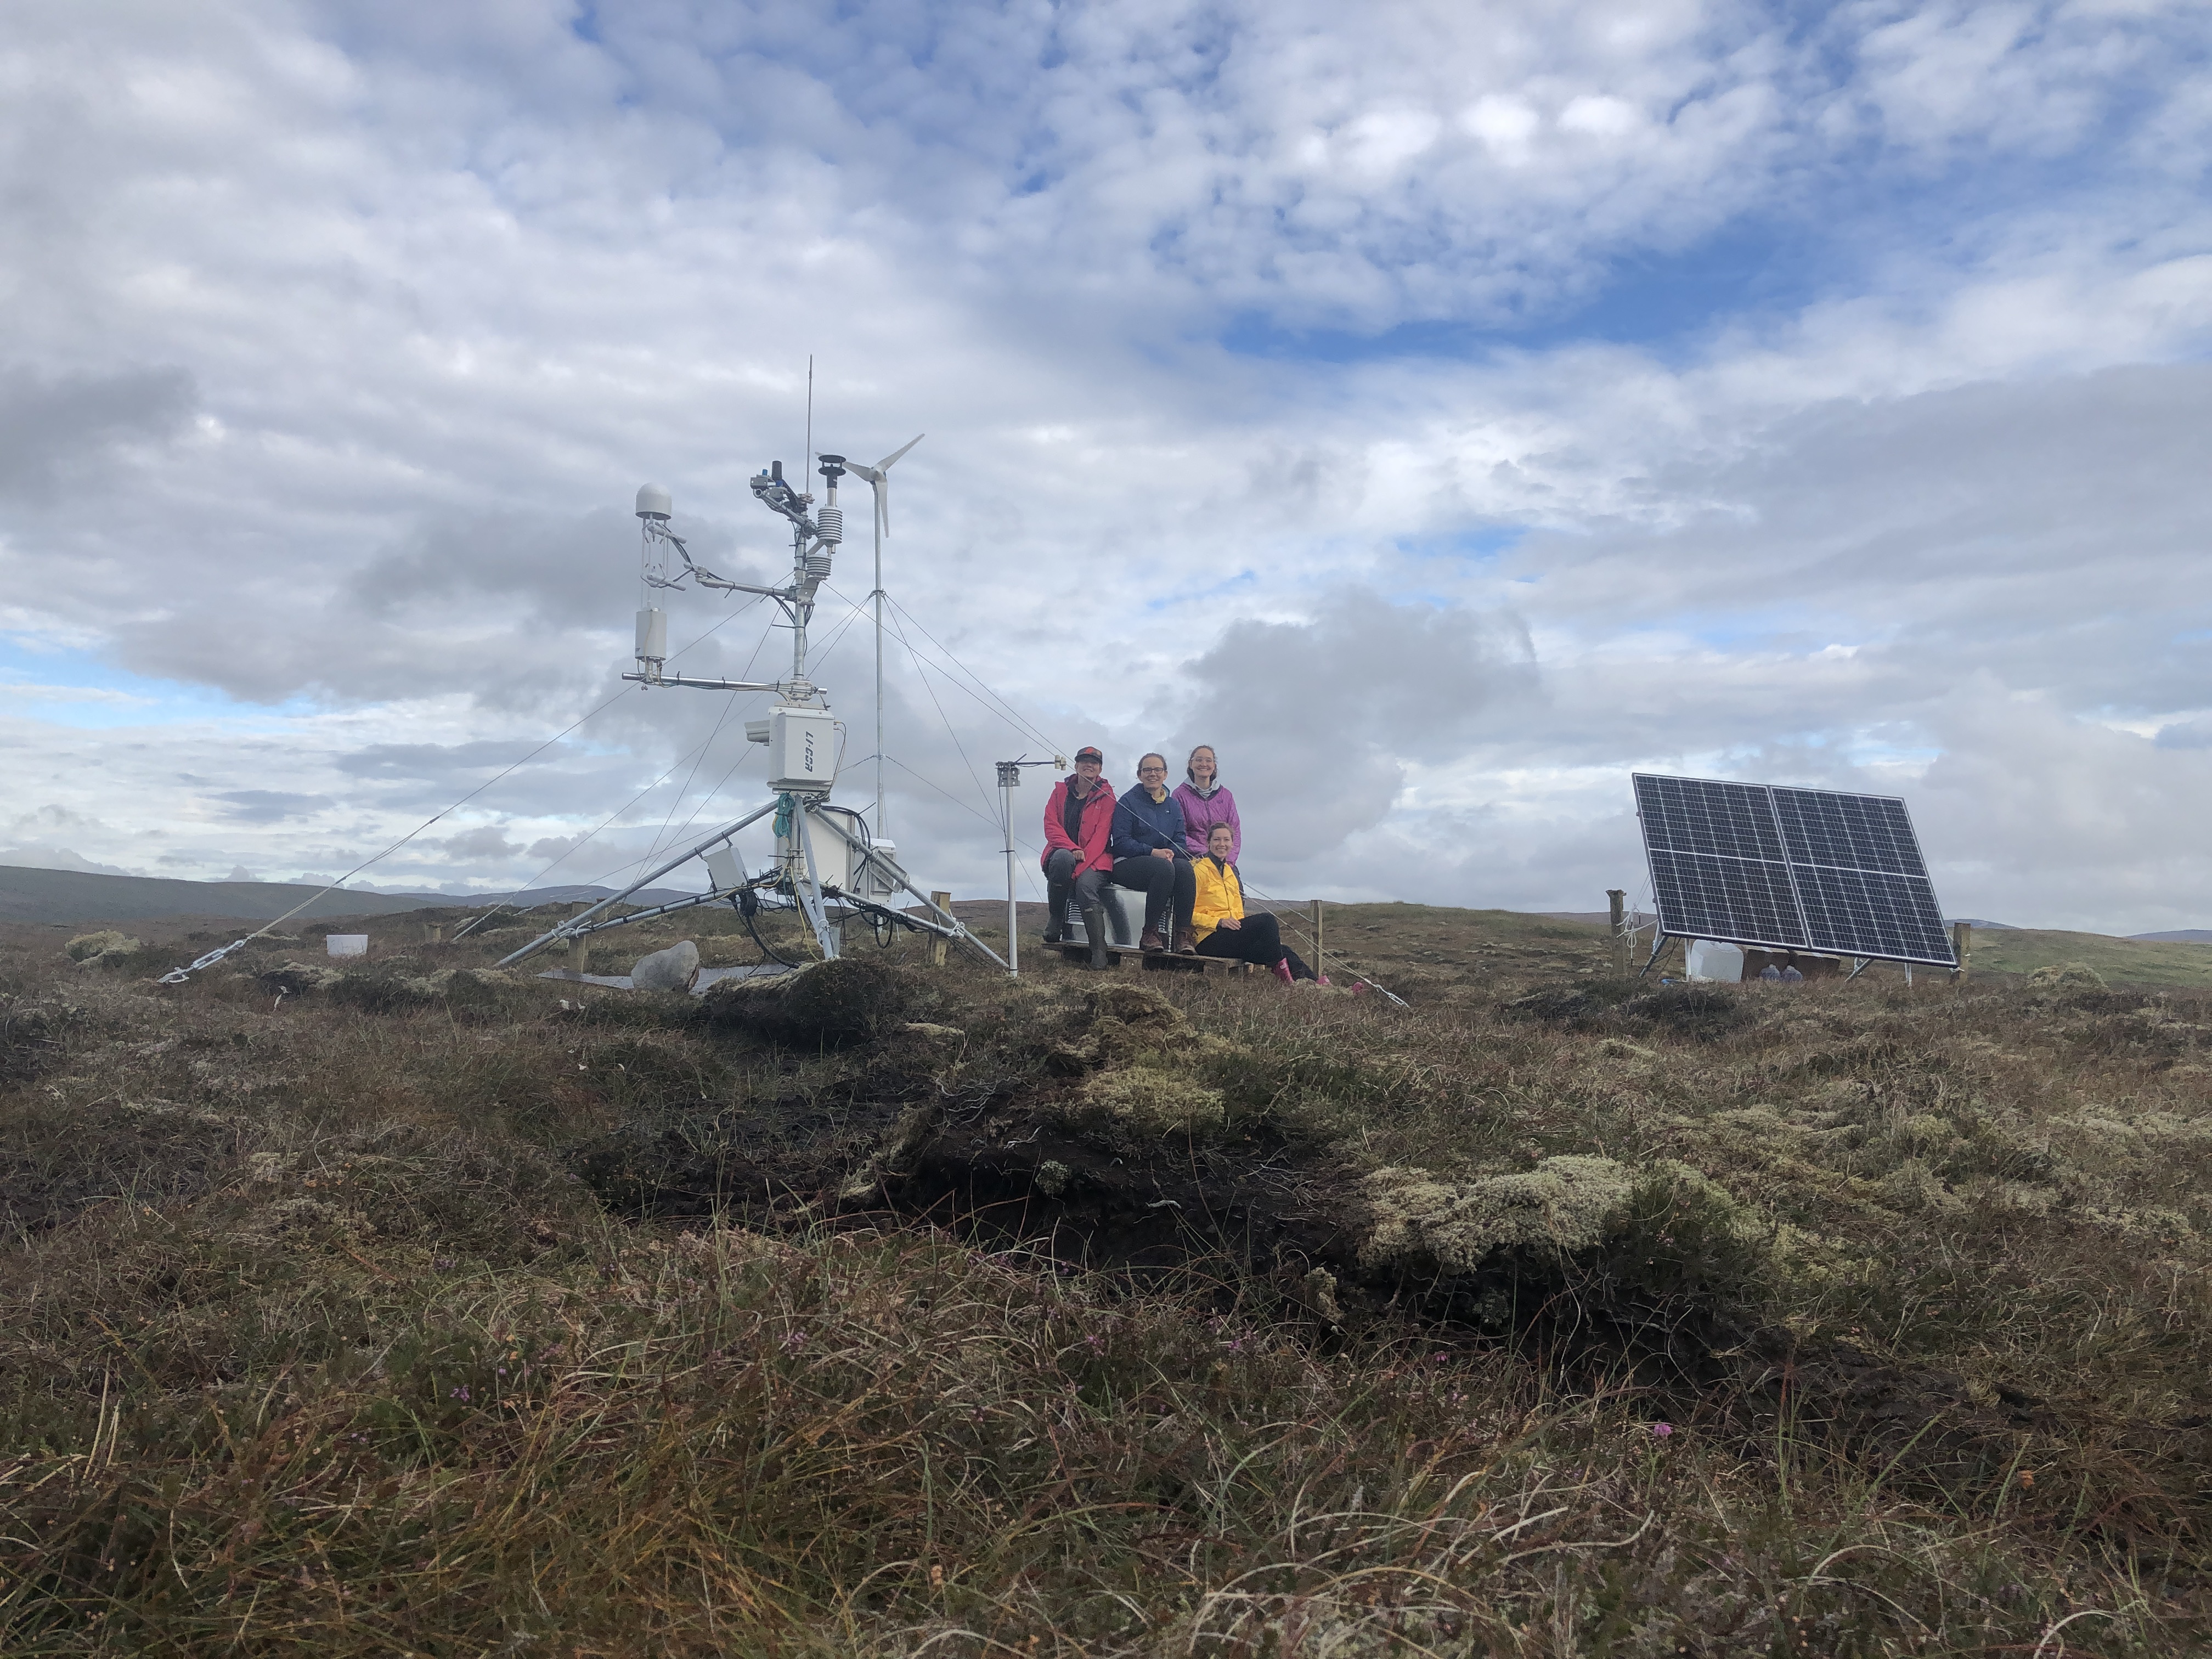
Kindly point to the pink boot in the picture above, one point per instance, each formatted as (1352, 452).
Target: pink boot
(1283, 970)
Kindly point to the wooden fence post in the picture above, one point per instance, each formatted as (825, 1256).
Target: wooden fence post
(580, 955)
(1318, 955)
(1962, 946)
(1617, 898)
(943, 901)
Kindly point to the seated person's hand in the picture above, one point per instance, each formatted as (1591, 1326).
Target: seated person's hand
(1229, 922)
(1163, 852)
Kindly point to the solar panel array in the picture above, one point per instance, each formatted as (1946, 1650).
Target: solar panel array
(1796, 869)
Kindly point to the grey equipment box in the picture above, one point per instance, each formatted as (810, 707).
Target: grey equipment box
(1124, 917)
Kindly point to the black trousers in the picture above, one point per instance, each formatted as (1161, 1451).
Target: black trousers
(1166, 884)
(1061, 880)
(1256, 939)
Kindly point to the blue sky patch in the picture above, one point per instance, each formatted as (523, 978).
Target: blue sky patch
(76, 689)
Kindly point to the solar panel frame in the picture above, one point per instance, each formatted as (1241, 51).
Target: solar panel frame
(1790, 868)
(1708, 897)
(1872, 913)
(1824, 827)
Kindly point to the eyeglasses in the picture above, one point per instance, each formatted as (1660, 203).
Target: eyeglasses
(1151, 771)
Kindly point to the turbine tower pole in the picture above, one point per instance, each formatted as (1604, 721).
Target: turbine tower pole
(877, 477)
(880, 831)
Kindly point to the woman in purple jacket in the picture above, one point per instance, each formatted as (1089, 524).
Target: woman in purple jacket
(1207, 803)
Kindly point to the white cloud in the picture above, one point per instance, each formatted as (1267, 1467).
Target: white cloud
(343, 335)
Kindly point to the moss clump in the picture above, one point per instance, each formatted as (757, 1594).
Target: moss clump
(1147, 1064)
(1567, 1207)
(1122, 1024)
(2067, 976)
(1563, 1205)
(829, 1005)
(89, 948)
(1154, 1098)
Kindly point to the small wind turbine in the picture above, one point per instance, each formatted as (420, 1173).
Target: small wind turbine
(878, 478)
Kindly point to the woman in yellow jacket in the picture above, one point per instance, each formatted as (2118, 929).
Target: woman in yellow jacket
(1218, 916)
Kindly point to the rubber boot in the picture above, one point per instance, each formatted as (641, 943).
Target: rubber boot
(1094, 924)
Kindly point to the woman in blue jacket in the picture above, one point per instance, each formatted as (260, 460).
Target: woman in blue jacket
(1149, 855)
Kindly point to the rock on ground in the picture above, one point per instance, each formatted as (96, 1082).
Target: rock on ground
(675, 968)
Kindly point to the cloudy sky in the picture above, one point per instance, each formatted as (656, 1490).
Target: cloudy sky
(1442, 408)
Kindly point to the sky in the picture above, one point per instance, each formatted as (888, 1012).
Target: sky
(1443, 410)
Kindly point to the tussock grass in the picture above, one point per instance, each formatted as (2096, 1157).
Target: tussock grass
(311, 1338)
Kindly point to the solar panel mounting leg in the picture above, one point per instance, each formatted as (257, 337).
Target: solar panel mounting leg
(1859, 965)
(1658, 944)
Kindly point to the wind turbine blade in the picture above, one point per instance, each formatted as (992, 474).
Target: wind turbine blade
(883, 504)
(884, 465)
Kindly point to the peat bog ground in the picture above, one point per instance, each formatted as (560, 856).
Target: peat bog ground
(408, 1306)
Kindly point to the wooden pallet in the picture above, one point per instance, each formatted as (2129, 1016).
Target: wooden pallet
(1155, 961)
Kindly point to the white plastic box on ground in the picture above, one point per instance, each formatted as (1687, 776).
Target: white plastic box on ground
(346, 944)
(1708, 958)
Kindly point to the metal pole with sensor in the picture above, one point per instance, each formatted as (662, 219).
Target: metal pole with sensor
(1010, 779)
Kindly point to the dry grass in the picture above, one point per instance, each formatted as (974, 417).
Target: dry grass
(313, 1338)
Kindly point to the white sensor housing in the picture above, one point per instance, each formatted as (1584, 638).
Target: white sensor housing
(802, 749)
(652, 634)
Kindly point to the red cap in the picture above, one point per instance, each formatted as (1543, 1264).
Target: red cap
(1090, 753)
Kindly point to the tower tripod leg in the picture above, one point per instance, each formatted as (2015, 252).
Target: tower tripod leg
(807, 885)
(945, 923)
(569, 928)
(958, 929)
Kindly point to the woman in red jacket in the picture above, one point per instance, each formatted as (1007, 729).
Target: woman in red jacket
(1078, 819)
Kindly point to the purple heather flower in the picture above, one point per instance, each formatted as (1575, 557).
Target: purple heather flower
(1663, 1429)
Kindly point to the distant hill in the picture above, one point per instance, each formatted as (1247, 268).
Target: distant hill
(2178, 936)
(74, 895)
(2153, 962)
